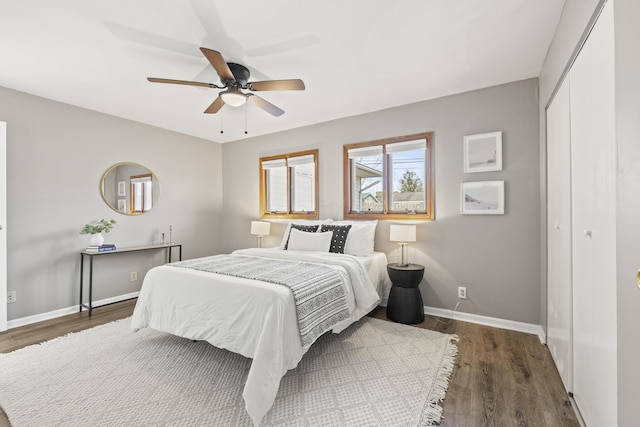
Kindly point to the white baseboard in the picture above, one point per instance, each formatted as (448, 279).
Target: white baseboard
(511, 325)
(23, 321)
(528, 328)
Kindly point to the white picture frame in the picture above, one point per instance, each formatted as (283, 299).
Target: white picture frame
(482, 198)
(483, 152)
(122, 205)
(122, 189)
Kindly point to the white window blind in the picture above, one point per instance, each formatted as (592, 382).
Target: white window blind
(272, 164)
(301, 160)
(398, 147)
(374, 150)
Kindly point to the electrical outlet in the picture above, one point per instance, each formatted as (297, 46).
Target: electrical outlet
(12, 297)
(462, 292)
(133, 276)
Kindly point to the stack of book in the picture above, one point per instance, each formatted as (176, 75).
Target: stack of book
(102, 248)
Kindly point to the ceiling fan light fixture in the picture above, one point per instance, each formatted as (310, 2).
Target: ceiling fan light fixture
(234, 98)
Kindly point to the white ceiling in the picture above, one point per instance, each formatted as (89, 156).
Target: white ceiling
(354, 56)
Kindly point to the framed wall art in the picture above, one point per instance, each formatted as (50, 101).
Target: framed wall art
(483, 152)
(482, 198)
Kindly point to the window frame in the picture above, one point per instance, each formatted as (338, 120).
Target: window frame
(291, 214)
(142, 180)
(388, 214)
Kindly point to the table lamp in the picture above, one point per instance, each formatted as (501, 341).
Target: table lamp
(260, 229)
(402, 234)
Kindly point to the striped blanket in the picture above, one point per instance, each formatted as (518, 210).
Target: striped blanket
(317, 289)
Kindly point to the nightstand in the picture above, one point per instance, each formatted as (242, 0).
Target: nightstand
(405, 300)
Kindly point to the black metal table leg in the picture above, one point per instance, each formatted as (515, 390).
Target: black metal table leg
(90, 285)
(81, 284)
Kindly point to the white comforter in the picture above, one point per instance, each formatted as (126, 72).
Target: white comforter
(249, 317)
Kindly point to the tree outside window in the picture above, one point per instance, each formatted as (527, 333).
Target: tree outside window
(389, 178)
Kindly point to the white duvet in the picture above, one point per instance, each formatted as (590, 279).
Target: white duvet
(249, 317)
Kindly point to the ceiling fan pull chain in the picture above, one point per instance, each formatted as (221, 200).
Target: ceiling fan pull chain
(221, 124)
(245, 121)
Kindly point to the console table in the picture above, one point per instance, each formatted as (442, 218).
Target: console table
(91, 255)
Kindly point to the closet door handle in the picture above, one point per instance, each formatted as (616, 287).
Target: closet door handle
(557, 227)
(587, 233)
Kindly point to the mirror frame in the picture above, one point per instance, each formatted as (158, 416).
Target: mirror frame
(120, 192)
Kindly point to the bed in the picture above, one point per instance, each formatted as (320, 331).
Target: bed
(256, 318)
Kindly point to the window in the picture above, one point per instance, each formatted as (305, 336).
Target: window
(390, 178)
(141, 193)
(289, 185)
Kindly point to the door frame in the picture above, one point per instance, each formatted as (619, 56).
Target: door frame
(3, 225)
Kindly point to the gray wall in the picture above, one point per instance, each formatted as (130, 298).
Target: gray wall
(496, 257)
(56, 155)
(573, 23)
(627, 34)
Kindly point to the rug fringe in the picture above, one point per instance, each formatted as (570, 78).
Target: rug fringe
(432, 411)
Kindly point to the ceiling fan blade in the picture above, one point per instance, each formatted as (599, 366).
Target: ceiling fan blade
(181, 82)
(218, 62)
(215, 106)
(265, 105)
(292, 84)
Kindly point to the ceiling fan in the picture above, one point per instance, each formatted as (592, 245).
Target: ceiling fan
(235, 78)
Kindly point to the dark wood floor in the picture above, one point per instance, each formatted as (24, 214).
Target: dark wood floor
(501, 378)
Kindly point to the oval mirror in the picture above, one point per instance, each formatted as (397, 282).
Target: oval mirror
(130, 188)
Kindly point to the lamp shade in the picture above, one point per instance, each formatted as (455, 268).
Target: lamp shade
(402, 233)
(260, 228)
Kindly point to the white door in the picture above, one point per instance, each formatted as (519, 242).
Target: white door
(3, 225)
(559, 293)
(593, 167)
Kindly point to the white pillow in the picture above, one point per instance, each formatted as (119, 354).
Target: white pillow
(361, 237)
(305, 241)
(317, 222)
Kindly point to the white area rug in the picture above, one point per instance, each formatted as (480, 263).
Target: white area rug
(375, 373)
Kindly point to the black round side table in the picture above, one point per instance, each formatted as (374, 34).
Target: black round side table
(405, 300)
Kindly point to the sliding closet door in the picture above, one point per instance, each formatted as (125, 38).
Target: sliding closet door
(593, 151)
(3, 226)
(559, 304)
